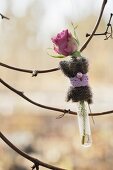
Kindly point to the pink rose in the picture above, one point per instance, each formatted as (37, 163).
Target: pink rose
(65, 43)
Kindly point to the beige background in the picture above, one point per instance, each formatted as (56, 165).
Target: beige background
(24, 40)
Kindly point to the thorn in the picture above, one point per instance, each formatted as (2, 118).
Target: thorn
(87, 35)
(21, 93)
(4, 17)
(35, 166)
(34, 73)
(62, 115)
(108, 24)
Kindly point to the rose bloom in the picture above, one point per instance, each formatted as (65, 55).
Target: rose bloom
(65, 43)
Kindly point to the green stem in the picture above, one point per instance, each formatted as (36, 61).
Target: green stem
(83, 112)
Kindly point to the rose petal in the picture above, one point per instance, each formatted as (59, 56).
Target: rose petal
(65, 43)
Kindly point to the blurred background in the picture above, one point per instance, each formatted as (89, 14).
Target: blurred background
(24, 40)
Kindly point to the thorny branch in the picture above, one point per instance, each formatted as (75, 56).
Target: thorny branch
(37, 163)
(35, 72)
(64, 111)
(106, 33)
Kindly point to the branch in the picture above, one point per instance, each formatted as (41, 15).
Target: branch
(33, 102)
(36, 162)
(4, 17)
(106, 33)
(33, 72)
(64, 111)
(96, 26)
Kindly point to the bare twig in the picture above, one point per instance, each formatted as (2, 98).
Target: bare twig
(96, 26)
(48, 107)
(33, 72)
(106, 33)
(35, 161)
(4, 17)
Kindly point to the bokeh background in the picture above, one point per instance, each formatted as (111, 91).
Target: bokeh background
(24, 40)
